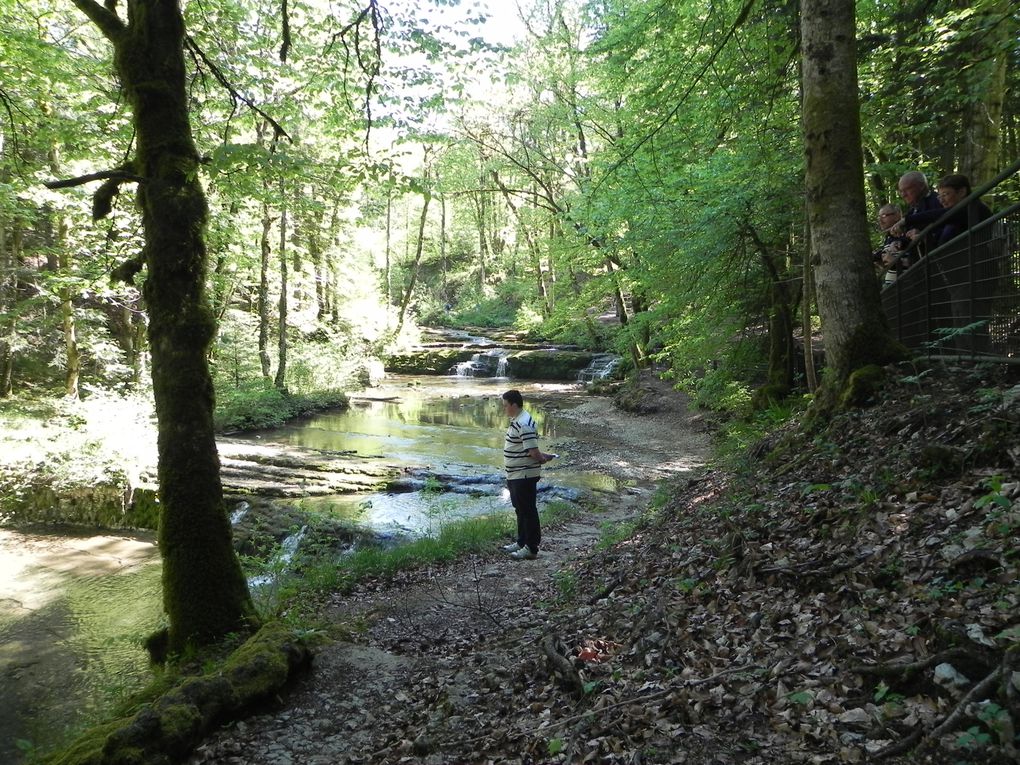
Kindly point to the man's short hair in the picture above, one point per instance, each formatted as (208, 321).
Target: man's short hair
(514, 397)
(889, 209)
(913, 177)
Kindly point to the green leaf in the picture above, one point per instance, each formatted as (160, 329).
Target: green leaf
(801, 697)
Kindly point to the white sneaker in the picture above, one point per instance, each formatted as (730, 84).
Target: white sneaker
(523, 554)
(511, 548)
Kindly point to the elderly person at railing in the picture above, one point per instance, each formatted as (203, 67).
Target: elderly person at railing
(952, 190)
(889, 261)
(913, 188)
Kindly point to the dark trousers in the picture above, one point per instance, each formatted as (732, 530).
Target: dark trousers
(523, 496)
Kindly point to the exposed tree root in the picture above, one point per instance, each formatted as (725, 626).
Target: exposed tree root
(562, 666)
(171, 726)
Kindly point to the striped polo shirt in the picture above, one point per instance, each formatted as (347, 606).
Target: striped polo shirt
(521, 436)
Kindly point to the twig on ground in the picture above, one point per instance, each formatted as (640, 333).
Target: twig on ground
(562, 666)
(950, 723)
(903, 671)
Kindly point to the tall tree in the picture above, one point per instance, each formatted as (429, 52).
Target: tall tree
(855, 331)
(205, 594)
(987, 51)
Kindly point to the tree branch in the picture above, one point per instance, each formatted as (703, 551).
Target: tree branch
(109, 23)
(353, 51)
(948, 725)
(741, 18)
(285, 45)
(192, 46)
(105, 175)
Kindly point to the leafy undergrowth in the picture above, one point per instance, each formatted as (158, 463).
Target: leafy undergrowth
(854, 596)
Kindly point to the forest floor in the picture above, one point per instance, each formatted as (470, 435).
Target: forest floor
(848, 594)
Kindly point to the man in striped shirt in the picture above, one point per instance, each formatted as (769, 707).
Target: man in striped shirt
(523, 462)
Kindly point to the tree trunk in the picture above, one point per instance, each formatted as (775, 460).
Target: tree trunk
(6, 303)
(417, 262)
(71, 352)
(783, 298)
(982, 114)
(205, 594)
(854, 326)
(442, 248)
(389, 236)
(265, 249)
(532, 246)
(481, 214)
(72, 356)
(808, 301)
(313, 230)
(281, 366)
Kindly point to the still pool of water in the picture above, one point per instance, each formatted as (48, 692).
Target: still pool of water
(75, 607)
(451, 427)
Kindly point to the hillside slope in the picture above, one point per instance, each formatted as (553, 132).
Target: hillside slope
(852, 595)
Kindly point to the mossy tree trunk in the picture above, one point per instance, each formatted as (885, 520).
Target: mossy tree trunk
(205, 594)
(854, 327)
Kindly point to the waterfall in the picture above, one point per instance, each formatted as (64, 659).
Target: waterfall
(491, 363)
(239, 512)
(601, 367)
(279, 562)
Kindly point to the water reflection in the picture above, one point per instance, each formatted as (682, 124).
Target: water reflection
(74, 608)
(455, 422)
(452, 427)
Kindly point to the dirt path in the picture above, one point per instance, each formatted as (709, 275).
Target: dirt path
(420, 651)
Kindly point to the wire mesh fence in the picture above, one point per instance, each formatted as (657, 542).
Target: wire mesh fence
(963, 298)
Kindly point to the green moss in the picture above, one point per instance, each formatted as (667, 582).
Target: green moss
(548, 365)
(166, 729)
(862, 386)
(263, 663)
(437, 361)
(88, 749)
(765, 396)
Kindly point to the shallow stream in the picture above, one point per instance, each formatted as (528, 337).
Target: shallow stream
(75, 607)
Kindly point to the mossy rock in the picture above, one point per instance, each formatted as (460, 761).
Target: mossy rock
(548, 364)
(435, 361)
(167, 729)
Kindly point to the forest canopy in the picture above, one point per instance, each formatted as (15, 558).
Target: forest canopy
(374, 168)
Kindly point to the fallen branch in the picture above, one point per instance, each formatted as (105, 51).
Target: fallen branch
(976, 693)
(951, 722)
(903, 671)
(562, 666)
(644, 699)
(651, 697)
(803, 569)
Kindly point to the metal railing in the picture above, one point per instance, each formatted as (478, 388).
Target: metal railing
(963, 298)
